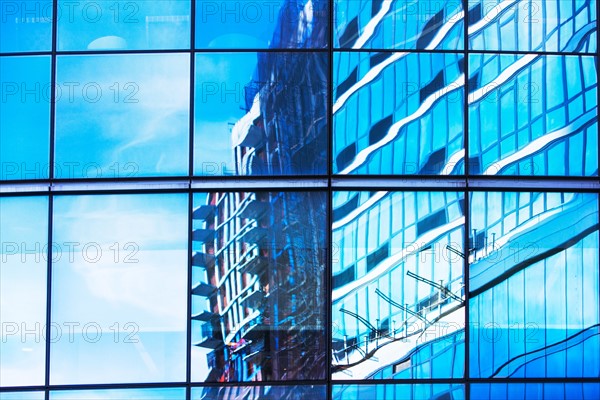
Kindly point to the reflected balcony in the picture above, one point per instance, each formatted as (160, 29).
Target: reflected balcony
(254, 265)
(203, 260)
(254, 209)
(203, 235)
(204, 290)
(203, 213)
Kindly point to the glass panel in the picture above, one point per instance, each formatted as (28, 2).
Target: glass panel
(261, 114)
(535, 391)
(24, 227)
(533, 115)
(22, 395)
(534, 285)
(399, 392)
(398, 113)
(258, 286)
(120, 394)
(123, 25)
(533, 25)
(119, 289)
(262, 24)
(122, 116)
(406, 24)
(260, 392)
(398, 302)
(25, 25)
(25, 117)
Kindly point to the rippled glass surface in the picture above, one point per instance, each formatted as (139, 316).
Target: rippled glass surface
(122, 116)
(258, 286)
(119, 283)
(398, 301)
(534, 285)
(398, 113)
(24, 252)
(25, 117)
(261, 114)
(532, 25)
(262, 24)
(123, 25)
(405, 24)
(533, 115)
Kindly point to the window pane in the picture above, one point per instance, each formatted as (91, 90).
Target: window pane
(407, 24)
(122, 116)
(398, 113)
(533, 115)
(24, 227)
(25, 117)
(533, 25)
(261, 114)
(534, 285)
(258, 286)
(398, 308)
(260, 392)
(120, 394)
(123, 25)
(26, 25)
(22, 395)
(398, 392)
(262, 24)
(534, 391)
(119, 289)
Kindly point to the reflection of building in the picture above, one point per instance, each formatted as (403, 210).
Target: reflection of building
(398, 299)
(258, 285)
(534, 285)
(285, 129)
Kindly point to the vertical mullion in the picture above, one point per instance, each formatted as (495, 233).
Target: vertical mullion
(53, 90)
(192, 86)
(189, 296)
(467, 208)
(329, 210)
(48, 295)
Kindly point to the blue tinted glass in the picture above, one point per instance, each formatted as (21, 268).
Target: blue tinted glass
(533, 115)
(260, 392)
(398, 392)
(25, 25)
(24, 252)
(258, 286)
(22, 395)
(119, 289)
(123, 25)
(262, 24)
(261, 114)
(398, 113)
(398, 308)
(534, 285)
(535, 391)
(533, 25)
(120, 394)
(406, 24)
(25, 117)
(122, 116)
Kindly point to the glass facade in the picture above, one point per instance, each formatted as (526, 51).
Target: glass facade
(299, 199)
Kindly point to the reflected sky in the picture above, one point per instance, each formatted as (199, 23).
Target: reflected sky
(22, 396)
(25, 25)
(24, 227)
(124, 284)
(120, 394)
(122, 116)
(25, 117)
(398, 392)
(123, 25)
(220, 99)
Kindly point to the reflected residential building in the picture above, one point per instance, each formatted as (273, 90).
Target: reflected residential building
(297, 392)
(284, 131)
(258, 285)
(259, 261)
(398, 290)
